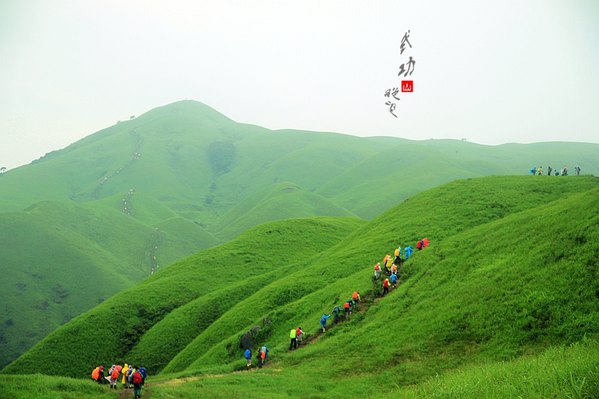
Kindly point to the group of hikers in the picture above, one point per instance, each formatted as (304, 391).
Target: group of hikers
(133, 376)
(538, 171)
(390, 264)
(261, 356)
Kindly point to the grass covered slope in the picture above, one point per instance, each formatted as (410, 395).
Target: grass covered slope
(110, 331)
(457, 218)
(60, 259)
(201, 179)
(510, 272)
(514, 276)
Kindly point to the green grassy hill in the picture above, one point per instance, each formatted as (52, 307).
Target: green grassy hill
(507, 289)
(183, 177)
(252, 260)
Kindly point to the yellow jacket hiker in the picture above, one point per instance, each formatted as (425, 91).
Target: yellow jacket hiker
(293, 335)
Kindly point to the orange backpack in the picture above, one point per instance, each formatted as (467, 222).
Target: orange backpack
(96, 374)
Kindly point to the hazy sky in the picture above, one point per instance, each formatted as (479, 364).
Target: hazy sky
(489, 71)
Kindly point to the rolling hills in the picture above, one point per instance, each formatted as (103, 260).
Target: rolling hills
(144, 193)
(509, 283)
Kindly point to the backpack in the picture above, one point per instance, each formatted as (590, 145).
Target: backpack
(137, 378)
(96, 374)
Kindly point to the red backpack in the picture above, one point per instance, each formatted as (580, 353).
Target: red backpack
(137, 378)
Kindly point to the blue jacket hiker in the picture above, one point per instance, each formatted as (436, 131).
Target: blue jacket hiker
(408, 251)
(323, 321)
(248, 357)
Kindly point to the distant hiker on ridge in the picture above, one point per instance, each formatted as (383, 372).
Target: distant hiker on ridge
(549, 169)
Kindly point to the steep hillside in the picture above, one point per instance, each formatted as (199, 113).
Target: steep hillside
(69, 258)
(215, 278)
(511, 271)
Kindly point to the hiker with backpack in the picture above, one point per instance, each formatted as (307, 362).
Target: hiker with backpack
(293, 336)
(100, 375)
(262, 356)
(132, 370)
(144, 374)
(408, 251)
(323, 321)
(96, 375)
(347, 308)
(393, 279)
(137, 383)
(114, 375)
(397, 254)
(124, 372)
(377, 271)
(336, 314)
(248, 357)
(298, 335)
(356, 296)
(388, 265)
(385, 286)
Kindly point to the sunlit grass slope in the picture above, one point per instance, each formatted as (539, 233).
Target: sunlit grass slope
(110, 331)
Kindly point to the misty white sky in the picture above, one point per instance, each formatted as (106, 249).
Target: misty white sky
(489, 71)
